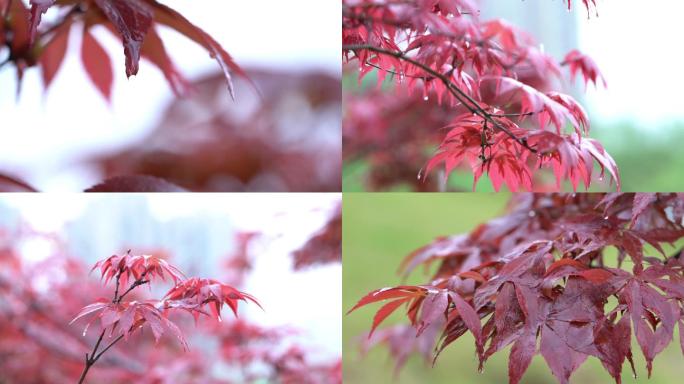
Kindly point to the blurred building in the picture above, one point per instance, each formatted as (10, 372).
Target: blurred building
(9, 216)
(196, 243)
(548, 21)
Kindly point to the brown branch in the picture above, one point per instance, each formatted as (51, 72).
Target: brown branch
(94, 356)
(471, 104)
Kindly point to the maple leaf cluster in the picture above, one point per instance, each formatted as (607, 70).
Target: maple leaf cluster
(37, 343)
(565, 276)
(123, 318)
(506, 117)
(133, 22)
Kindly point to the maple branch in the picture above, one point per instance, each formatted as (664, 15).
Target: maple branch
(136, 284)
(94, 356)
(108, 346)
(468, 102)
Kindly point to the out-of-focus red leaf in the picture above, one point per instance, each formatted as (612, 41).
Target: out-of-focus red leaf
(52, 56)
(12, 184)
(20, 26)
(325, 246)
(136, 183)
(681, 334)
(97, 64)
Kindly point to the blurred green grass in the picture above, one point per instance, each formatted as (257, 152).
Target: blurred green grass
(379, 229)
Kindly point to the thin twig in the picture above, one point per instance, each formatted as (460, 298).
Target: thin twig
(94, 356)
(109, 346)
(471, 104)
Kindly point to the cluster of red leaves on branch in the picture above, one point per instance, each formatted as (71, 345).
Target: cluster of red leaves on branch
(545, 278)
(134, 22)
(507, 120)
(38, 300)
(121, 318)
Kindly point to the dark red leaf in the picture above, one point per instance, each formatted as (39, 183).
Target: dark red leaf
(132, 19)
(641, 202)
(521, 355)
(562, 359)
(470, 319)
(433, 308)
(38, 8)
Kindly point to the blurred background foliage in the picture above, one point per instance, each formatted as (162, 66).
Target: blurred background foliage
(378, 231)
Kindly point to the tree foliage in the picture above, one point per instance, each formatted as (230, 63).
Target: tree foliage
(143, 337)
(135, 23)
(565, 276)
(496, 88)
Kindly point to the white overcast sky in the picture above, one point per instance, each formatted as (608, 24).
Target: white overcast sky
(637, 45)
(41, 134)
(310, 300)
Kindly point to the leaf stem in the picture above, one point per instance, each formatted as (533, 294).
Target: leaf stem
(94, 356)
